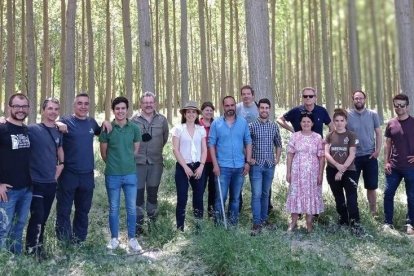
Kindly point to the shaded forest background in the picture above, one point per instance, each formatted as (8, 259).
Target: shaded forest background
(205, 49)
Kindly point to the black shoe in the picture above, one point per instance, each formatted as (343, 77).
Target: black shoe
(256, 230)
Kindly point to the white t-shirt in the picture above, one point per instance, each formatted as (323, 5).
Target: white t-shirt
(190, 147)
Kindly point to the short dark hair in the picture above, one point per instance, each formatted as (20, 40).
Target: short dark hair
(119, 100)
(46, 101)
(360, 91)
(264, 101)
(340, 112)
(207, 104)
(247, 87)
(20, 96)
(82, 94)
(401, 97)
(307, 114)
(228, 97)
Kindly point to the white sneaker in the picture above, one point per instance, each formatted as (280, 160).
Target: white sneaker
(134, 245)
(113, 244)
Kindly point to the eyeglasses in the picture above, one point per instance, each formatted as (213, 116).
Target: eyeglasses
(308, 96)
(400, 105)
(16, 106)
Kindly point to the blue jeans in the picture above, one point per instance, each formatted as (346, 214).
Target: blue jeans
(231, 182)
(392, 182)
(182, 183)
(13, 216)
(114, 184)
(261, 178)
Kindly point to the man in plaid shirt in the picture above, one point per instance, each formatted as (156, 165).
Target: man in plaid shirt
(266, 150)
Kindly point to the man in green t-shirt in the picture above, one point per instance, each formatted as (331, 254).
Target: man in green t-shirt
(118, 149)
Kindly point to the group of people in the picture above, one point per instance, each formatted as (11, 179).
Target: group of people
(55, 159)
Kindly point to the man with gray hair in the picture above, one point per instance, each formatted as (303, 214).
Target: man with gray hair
(149, 161)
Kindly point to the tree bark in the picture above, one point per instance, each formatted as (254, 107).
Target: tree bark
(62, 57)
(405, 26)
(91, 61)
(31, 62)
(45, 89)
(108, 62)
(168, 73)
(126, 23)
(258, 48)
(23, 83)
(205, 95)
(184, 52)
(326, 50)
(69, 72)
(11, 54)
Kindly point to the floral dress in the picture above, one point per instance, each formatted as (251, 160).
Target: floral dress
(305, 195)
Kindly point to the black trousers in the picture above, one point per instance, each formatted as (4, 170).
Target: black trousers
(42, 200)
(345, 194)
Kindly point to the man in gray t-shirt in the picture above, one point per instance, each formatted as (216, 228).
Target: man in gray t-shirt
(366, 124)
(247, 108)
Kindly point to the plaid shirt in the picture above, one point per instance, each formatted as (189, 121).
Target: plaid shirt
(265, 137)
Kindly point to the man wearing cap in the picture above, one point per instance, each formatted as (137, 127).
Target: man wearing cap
(319, 113)
(149, 160)
(230, 146)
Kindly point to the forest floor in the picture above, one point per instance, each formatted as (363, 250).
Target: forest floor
(211, 250)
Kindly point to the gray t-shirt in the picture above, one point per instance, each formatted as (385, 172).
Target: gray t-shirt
(250, 113)
(363, 125)
(43, 154)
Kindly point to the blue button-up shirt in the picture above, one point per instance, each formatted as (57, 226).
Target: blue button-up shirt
(230, 141)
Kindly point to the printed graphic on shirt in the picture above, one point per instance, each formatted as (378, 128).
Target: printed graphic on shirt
(20, 141)
(91, 131)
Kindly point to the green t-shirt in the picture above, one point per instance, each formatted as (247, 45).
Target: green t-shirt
(120, 152)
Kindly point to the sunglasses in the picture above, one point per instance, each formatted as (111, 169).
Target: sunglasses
(400, 105)
(308, 96)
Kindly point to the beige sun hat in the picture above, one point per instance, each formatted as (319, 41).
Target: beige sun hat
(190, 105)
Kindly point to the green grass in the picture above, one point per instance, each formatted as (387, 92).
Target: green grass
(216, 251)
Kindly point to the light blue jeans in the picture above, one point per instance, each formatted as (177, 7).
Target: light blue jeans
(114, 184)
(13, 216)
(261, 178)
(231, 182)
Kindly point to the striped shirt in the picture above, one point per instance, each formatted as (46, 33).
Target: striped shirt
(265, 137)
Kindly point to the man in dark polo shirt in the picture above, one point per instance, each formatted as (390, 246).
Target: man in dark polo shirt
(76, 183)
(15, 181)
(319, 113)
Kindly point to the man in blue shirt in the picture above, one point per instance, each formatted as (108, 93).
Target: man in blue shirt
(76, 182)
(319, 113)
(230, 146)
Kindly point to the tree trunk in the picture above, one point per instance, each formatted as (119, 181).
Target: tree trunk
(1, 52)
(145, 46)
(91, 62)
(205, 95)
(108, 63)
(223, 50)
(62, 57)
(405, 25)
(126, 23)
(11, 54)
(45, 89)
(354, 67)
(184, 52)
(329, 93)
(238, 47)
(70, 55)
(23, 84)
(31, 62)
(168, 84)
(258, 48)
(176, 83)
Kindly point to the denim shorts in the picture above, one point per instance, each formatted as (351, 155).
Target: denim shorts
(369, 168)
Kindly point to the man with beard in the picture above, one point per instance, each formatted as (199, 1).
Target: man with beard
(365, 123)
(46, 164)
(76, 182)
(15, 181)
(399, 161)
(149, 160)
(265, 139)
(231, 151)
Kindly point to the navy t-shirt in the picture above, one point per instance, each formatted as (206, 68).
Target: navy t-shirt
(78, 143)
(44, 143)
(14, 155)
(320, 116)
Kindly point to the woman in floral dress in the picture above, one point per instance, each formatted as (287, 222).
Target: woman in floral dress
(305, 160)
